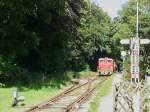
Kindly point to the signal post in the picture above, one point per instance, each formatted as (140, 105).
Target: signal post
(135, 43)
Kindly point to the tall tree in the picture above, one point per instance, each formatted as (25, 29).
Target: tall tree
(125, 26)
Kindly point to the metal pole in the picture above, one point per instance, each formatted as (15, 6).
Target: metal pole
(136, 102)
(136, 97)
(131, 48)
(138, 41)
(137, 25)
(123, 67)
(135, 48)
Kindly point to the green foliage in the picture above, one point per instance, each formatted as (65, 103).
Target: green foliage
(45, 37)
(92, 35)
(148, 72)
(127, 66)
(123, 31)
(33, 36)
(125, 27)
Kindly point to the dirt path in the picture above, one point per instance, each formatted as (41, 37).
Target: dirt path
(106, 103)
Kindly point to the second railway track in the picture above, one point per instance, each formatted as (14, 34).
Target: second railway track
(69, 100)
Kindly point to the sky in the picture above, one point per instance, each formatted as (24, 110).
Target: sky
(111, 6)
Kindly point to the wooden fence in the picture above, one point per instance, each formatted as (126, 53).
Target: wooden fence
(124, 94)
(145, 99)
(122, 99)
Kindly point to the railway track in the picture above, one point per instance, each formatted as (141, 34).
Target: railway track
(69, 100)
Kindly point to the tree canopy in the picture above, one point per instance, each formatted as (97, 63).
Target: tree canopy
(125, 26)
(50, 36)
(58, 35)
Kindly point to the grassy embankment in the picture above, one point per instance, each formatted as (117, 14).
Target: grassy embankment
(32, 97)
(37, 93)
(102, 91)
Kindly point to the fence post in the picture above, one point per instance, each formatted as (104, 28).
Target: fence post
(114, 98)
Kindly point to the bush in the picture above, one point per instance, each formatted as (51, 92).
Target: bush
(2, 85)
(127, 69)
(148, 72)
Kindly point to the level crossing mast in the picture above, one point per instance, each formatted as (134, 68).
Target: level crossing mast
(135, 51)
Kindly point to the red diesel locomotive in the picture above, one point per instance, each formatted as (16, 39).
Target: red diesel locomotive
(106, 66)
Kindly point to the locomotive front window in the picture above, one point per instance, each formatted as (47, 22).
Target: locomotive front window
(109, 61)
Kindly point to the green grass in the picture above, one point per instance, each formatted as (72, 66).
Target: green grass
(32, 96)
(81, 74)
(86, 73)
(36, 92)
(101, 92)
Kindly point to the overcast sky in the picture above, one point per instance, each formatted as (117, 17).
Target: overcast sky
(111, 6)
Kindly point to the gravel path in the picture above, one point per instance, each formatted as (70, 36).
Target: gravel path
(106, 103)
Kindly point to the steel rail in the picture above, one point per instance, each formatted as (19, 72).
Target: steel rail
(56, 98)
(74, 106)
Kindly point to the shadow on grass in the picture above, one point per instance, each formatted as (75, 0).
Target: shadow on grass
(37, 81)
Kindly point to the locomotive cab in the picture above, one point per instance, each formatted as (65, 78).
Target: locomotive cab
(106, 66)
